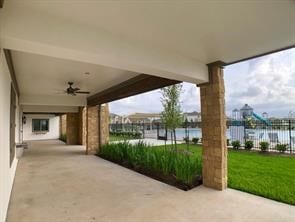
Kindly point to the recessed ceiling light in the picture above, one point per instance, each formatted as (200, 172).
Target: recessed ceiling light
(87, 73)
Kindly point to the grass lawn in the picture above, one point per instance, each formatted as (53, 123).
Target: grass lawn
(268, 175)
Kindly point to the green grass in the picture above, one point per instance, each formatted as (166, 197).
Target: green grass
(268, 175)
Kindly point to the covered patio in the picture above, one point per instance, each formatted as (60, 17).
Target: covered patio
(55, 182)
(113, 50)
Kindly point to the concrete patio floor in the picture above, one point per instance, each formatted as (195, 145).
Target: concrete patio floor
(55, 182)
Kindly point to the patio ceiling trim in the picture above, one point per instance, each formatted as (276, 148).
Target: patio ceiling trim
(136, 85)
(262, 54)
(9, 61)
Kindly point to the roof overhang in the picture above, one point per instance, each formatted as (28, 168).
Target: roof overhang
(171, 42)
(139, 84)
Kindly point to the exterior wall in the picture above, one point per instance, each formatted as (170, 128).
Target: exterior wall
(53, 132)
(7, 172)
(72, 126)
(214, 130)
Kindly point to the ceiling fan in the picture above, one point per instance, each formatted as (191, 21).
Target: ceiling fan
(73, 91)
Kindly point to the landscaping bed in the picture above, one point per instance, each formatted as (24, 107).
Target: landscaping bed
(267, 174)
(179, 168)
(270, 175)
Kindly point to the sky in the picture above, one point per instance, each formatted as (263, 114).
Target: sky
(266, 83)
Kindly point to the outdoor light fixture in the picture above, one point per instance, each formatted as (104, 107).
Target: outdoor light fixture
(24, 119)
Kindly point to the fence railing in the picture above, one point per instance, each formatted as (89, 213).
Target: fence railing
(274, 132)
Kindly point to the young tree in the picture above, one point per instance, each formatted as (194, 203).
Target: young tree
(171, 115)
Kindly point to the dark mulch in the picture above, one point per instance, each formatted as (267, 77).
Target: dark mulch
(169, 179)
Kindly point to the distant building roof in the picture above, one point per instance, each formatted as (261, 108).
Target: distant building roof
(144, 115)
(235, 110)
(246, 107)
(195, 113)
(113, 115)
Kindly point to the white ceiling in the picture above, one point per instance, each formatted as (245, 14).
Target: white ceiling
(57, 41)
(44, 75)
(204, 30)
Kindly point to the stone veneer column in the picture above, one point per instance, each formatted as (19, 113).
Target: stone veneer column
(63, 125)
(97, 127)
(72, 128)
(104, 124)
(214, 129)
(82, 126)
(92, 129)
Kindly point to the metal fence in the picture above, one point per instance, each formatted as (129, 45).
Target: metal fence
(274, 132)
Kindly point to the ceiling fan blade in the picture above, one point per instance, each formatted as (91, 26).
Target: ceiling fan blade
(76, 89)
(59, 92)
(83, 92)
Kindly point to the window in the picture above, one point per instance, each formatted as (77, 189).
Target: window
(40, 125)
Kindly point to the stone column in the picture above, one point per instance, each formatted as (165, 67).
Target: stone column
(82, 126)
(104, 124)
(72, 126)
(92, 129)
(214, 129)
(97, 127)
(63, 125)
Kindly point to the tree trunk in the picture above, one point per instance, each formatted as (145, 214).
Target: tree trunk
(171, 138)
(174, 133)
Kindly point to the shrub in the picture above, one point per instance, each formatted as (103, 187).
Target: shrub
(227, 142)
(186, 139)
(264, 146)
(249, 144)
(281, 147)
(236, 144)
(195, 140)
(181, 165)
(126, 134)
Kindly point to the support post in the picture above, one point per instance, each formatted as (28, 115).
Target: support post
(97, 127)
(92, 129)
(72, 128)
(214, 129)
(103, 124)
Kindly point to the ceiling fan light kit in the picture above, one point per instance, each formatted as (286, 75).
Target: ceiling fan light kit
(74, 91)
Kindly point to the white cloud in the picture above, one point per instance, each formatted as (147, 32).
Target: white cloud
(266, 84)
(151, 101)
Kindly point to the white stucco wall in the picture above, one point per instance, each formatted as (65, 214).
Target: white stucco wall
(7, 172)
(53, 132)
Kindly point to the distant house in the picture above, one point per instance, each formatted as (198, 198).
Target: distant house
(144, 117)
(117, 119)
(135, 118)
(192, 116)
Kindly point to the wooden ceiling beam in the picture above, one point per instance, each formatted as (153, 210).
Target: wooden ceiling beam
(134, 86)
